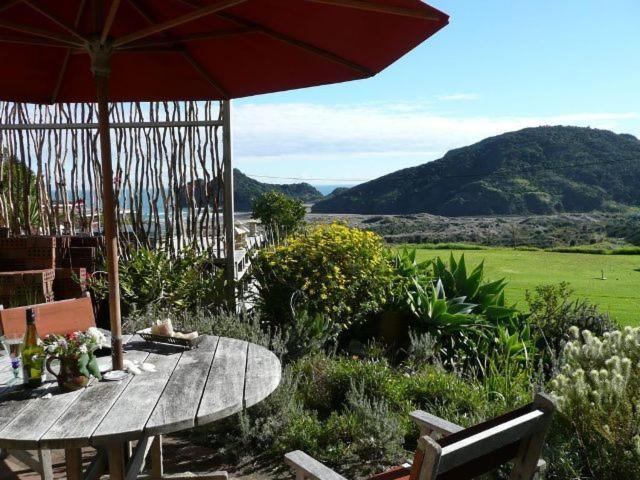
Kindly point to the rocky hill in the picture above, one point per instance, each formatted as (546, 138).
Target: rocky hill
(539, 170)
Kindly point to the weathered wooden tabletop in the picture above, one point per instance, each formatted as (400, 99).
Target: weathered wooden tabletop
(188, 389)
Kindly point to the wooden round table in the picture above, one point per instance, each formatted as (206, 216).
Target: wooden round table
(189, 388)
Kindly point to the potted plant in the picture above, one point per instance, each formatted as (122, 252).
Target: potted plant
(76, 354)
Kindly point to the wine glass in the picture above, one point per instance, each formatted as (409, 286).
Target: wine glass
(13, 346)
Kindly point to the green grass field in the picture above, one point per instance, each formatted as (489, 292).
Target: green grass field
(619, 294)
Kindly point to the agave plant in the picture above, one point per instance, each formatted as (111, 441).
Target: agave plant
(407, 272)
(470, 319)
(431, 306)
(489, 297)
(404, 262)
(455, 279)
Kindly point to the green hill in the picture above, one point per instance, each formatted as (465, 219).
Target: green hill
(246, 189)
(536, 170)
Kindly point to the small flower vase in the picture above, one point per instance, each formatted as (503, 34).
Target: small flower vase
(69, 377)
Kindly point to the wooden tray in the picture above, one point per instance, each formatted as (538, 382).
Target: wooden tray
(182, 342)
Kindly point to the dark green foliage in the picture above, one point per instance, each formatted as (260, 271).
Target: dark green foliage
(536, 170)
(334, 387)
(152, 278)
(278, 212)
(309, 334)
(629, 229)
(348, 412)
(338, 190)
(553, 313)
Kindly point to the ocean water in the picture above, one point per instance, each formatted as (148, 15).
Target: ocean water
(146, 209)
(327, 189)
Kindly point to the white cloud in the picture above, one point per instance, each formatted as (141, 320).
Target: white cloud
(456, 97)
(356, 141)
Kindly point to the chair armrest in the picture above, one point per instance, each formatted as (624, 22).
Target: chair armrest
(307, 467)
(430, 424)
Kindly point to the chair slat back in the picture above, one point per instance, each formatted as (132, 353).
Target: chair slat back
(62, 317)
(514, 437)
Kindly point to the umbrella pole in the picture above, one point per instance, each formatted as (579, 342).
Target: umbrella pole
(100, 67)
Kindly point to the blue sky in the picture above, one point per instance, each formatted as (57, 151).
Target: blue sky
(499, 65)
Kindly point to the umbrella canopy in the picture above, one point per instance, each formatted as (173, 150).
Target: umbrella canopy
(196, 50)
(142, 50)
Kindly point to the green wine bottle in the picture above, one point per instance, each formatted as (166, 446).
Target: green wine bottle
(32, 353)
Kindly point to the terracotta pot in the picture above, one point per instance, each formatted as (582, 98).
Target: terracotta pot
(69, 377)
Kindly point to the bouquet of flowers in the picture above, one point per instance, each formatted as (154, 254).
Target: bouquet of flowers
(76, 352)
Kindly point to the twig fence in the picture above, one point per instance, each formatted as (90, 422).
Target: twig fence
(168, 164)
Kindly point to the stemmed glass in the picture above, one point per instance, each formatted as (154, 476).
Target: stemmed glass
(13, 346)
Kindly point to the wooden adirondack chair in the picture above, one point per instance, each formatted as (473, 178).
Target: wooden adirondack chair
(60, 317)
(447, 451)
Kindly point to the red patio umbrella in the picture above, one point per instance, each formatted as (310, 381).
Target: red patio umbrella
(142, 50)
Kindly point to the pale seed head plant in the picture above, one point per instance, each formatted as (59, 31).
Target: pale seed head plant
(598, 394)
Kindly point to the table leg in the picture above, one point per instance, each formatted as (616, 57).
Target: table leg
(135, 465)
(115, 453)
(73, 459)
(157, 470)
(97, 467)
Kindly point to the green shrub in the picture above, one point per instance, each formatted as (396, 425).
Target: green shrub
(334, 270)
(325, 383)
(278, 212)
(598, 393)
(364, 405)
(246, 326)
(309, 334)
(422, 348)
(152, 278)
(369, 430)
(553, 313)
(353, 414)
(280, 423)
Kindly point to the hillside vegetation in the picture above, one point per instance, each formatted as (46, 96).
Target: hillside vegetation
(539, 170)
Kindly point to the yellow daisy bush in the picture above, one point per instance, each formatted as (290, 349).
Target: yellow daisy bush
(341, 272)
